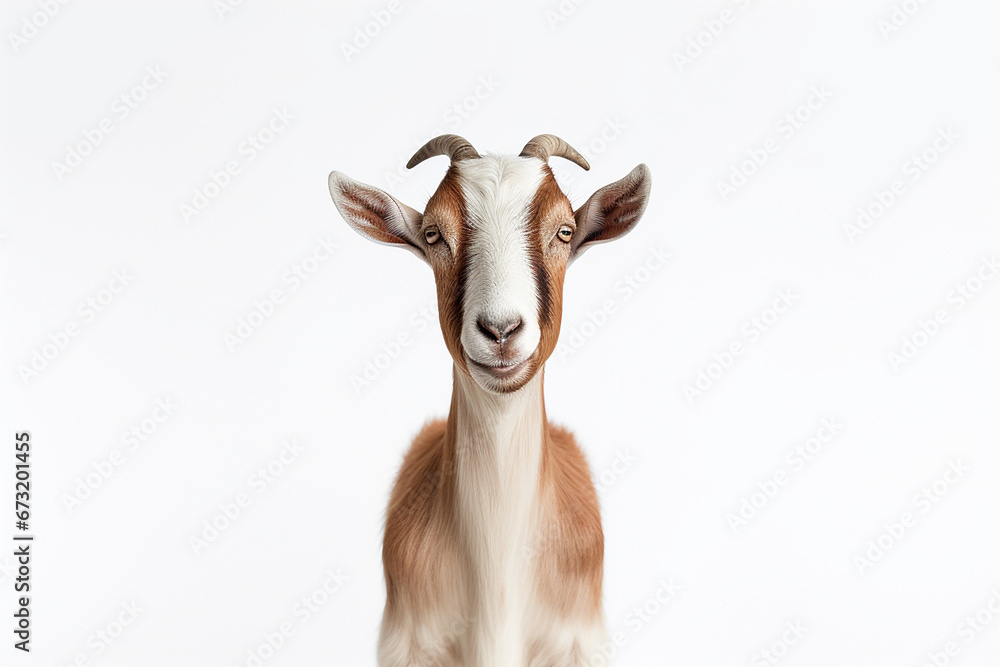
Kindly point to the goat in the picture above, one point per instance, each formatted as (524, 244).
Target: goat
(493, 550)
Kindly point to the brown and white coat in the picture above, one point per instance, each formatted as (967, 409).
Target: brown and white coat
(493, 549)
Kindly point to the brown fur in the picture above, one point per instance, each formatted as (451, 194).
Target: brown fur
(420, 552)
(446, 210)
(571, 571)
(550, 210)
(415, 554)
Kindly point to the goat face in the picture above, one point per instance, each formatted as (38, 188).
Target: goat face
(499, 234)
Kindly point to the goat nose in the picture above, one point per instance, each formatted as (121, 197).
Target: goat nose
(498, 331)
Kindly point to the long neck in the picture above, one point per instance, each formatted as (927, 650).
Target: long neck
(497, 443)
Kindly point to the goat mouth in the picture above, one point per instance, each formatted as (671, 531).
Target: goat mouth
(499, 370)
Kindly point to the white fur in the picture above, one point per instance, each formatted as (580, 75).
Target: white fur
(424, 641)
(500, 285)
(498, 471)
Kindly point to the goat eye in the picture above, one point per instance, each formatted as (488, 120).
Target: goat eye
(431, 235)
(565, 233)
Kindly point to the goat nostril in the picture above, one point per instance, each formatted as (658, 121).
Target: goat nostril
(510, 329)
(498, 332)
(487, 329)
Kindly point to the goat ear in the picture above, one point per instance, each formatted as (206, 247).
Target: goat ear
(612, 211)
(377, 215)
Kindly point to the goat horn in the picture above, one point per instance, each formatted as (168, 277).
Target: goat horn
(452, 145)
(545, 146)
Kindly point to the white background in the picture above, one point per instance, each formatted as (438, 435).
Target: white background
(606, 77)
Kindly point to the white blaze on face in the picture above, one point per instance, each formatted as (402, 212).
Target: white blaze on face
(499, 282)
